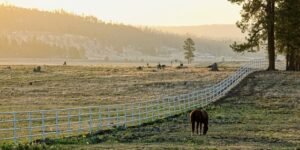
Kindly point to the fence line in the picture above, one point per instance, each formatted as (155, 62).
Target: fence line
(27, 126)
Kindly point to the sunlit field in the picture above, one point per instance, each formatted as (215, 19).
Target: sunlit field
(258, 113)
(137, 74)
(58, 86)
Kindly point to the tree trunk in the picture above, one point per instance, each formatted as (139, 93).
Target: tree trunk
(287, 61)
(297, 68)
(292, 61)
(271, 36)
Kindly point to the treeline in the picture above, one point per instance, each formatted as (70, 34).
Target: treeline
(116, 36)
(275, 23)
(34, 48)
(288, 32)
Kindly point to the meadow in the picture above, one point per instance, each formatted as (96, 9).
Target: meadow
(259, 113)
(58, 86)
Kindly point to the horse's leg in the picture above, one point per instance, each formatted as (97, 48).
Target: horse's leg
(205, 128)
(193, 126)
(197, 127)
(200, 127)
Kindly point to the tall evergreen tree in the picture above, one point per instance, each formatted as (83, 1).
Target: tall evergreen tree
(189, 47)
(258, 20)
(288, 32)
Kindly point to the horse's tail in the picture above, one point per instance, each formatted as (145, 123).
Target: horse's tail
(190, 115)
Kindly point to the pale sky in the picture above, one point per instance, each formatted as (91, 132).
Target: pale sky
(144, 12)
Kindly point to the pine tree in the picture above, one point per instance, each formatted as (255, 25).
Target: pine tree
(189, 47)
(288, 32)
(258, 20)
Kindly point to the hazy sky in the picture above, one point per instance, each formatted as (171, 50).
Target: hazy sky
(144, 12)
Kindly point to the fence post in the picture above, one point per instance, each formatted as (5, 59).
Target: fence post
(208, 95)
(43, 125)
(212, 93)
(202, 97)
(69, 123)
(184, 103)
(226, 86)
(193, 100)
(56, 123)
(139, 113)
(157, 106)
(132, 114)
(218, 90)
(197, 99)
(100, 119)
(15, 127)
(169, 104)
(118, 119)
(175, 98)
(164, 109)
(152, 107)
(90, 120)
(125, 116)
(79, 122)
(30, 127)
(146, 120)
(189, 101)
(108, 116)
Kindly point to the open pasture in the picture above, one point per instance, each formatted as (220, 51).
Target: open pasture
(56, 86)
(83, 86)
(262, 112)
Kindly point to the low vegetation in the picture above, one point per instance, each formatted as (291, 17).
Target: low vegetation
(69, 86)
(259, 113)
(37, 69)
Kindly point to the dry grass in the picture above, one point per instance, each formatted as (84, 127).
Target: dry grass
(76, 86)
(260, 113)
(22, 89)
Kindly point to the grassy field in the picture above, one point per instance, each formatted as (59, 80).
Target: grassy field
(76, 86)
(262, 112)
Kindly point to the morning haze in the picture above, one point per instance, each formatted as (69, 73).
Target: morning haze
(145, 12)
(117, 32)
(149, 74)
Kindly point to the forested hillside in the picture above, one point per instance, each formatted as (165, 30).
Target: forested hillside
(88, 37)
(221, 31)
(34, 48)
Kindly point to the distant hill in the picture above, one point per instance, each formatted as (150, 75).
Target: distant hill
(41, 34)
(229, 31)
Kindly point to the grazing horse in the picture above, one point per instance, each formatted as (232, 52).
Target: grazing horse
(199, 117)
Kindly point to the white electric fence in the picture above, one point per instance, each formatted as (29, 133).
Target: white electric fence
(28, 126)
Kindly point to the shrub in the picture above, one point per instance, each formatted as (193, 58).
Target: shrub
(139, 68)
(37, 69)
(28, 147)
(181, 66)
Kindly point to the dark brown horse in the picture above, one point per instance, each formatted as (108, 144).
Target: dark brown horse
(200, 117)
